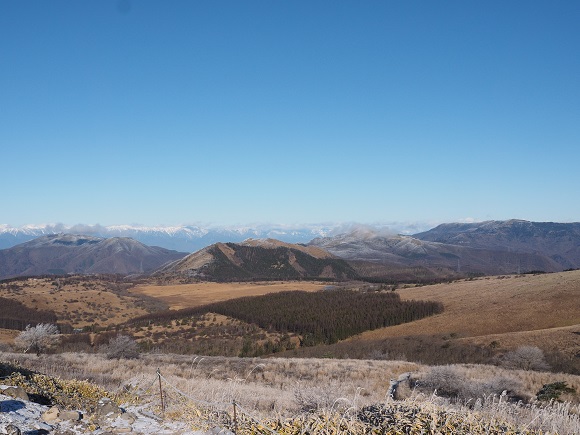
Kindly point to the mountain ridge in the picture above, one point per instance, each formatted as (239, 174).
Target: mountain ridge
(558, 241)
(70, 253)
(491, 247)
(185, 238)
(452, 249)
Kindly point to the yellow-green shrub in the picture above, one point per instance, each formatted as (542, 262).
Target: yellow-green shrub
(66, 393)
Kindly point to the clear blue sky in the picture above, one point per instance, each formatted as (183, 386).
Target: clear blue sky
(228, 112)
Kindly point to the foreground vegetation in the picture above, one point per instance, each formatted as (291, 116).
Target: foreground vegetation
(306, 396)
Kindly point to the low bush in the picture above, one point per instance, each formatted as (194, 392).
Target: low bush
(447, 381)
(121, 346)
(553, 391)
(525, 358)
(50, 390)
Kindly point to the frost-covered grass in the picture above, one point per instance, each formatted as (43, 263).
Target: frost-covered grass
(322, 395)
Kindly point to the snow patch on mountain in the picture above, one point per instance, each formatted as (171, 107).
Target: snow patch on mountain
(190, 238)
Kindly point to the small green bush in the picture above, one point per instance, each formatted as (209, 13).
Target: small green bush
(553, 391)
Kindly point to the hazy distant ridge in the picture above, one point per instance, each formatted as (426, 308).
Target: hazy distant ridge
(69, 253)
(560, 242)
(188, 238)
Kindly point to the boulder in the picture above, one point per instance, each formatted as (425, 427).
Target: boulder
(128, 417)
(14, 392)
(70, 415)
(42, 427)
(52, 415)
(107, 408)
(399, 388)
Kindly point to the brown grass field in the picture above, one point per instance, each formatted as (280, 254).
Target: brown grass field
(500, 312)
(193, 295)
(495, 305)
(538, 310)
(565, 340)
(7, 335)
(78, 302)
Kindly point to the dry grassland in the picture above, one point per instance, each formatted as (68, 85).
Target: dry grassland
(565, 340)
(82, 303)
(494, 305)
(8, 335)
(176, 326)
(193, 295)
(205, 320)
(272, 386)
(226, 333)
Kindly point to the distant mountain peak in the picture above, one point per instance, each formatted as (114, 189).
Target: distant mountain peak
(74, 253)
(264, 259)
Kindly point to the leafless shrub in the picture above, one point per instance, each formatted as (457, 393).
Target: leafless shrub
(500, 384)
(445, 380)
(525, 358)
(378, 354)
(449, 381)
(312, 399)
(121, 346)
(38, 338)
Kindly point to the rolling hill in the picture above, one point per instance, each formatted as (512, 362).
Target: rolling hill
(68, 253)
(482, 318)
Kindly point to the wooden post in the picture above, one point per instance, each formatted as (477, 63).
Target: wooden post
(161, 392)
(235, 417)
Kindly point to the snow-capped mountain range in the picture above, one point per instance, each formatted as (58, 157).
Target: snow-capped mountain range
(188, 238)
(490, 247)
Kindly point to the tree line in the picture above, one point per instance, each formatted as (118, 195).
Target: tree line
(319, 317)
(16, 315)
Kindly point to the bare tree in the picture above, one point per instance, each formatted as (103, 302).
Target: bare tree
(38, 338)
(525, 358)
(121, 346)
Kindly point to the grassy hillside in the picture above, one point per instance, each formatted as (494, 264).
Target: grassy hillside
(482, 318)
(496, 305)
